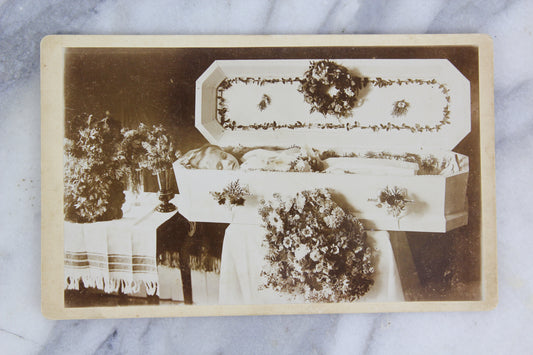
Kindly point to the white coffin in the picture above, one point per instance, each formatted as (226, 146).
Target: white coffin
(436, 91)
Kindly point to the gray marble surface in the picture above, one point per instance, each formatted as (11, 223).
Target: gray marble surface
(23, 329)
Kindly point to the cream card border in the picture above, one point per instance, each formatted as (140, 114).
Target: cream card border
(52, 126)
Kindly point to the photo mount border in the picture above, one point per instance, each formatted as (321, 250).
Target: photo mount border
(52, 128)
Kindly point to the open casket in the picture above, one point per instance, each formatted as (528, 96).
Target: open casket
(437, 119)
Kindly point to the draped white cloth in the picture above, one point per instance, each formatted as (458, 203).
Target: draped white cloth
(284, 160)
(369, 166)
(243, 257)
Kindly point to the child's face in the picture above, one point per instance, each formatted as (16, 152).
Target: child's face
(215, 158)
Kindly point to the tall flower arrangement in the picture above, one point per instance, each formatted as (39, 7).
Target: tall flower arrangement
(159, 148)
(132, 151)
(160, 154)
(133, 155)
(92, 171)
(98, 155)
(315, 249)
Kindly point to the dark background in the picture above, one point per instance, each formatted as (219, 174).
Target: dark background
(157, 85)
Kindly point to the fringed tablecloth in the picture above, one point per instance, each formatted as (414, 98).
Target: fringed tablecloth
(114, 256)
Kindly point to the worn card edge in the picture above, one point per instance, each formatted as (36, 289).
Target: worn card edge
(52, 127)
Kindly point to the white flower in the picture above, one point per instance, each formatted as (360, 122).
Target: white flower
(288, 203)
(307, 232)
(319, 268)
(333, 91)
(302, 166)
(327, 291)
(301, 252)
(335, 249)
(345, 285)
(315, 255)
(298, 269)
(331, 222)
(276, 203)
(335, 219)
(349, 92)
(275, 221)
(300, 202)
(287, 242)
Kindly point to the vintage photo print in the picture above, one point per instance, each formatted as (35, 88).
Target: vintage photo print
(229, 175)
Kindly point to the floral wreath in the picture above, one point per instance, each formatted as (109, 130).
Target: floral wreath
(315, 249)
(330, 89)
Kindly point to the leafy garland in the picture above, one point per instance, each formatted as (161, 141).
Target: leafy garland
(315, 249)
(226, 123)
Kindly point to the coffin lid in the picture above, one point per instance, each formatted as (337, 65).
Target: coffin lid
(438, 115)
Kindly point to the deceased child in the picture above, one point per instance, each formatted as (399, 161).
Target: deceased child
(296, 159)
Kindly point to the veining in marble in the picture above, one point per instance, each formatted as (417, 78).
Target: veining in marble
(23, 330)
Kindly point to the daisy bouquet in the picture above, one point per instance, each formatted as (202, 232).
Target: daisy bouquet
(315, 249)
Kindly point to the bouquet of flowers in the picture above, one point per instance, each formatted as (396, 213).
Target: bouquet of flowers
(92, 172)
(330, 89)
(232, 195)
(315, 249)
(394, 199)
(133, 155)
(132, 151)
(160, 151)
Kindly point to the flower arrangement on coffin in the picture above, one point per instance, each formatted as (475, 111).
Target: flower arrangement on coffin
(315, 249)
(330, 89)
(394, 199)
(93, 170)
(232, 195)
(400, 108)
(160, 154)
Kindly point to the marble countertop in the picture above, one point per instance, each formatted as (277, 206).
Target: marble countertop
(23, 330)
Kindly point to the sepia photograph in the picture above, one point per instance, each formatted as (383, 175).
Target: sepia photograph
(222, 175)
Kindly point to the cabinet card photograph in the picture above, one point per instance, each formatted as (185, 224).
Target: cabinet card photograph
(245, 175)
